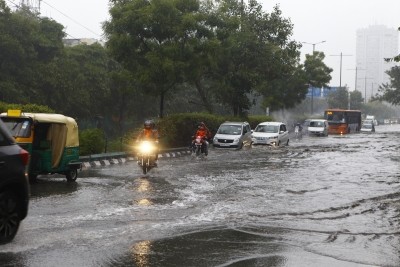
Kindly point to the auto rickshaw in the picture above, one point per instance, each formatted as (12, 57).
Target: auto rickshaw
(51, 139)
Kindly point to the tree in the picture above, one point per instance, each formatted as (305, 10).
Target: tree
(27, 44)
(356, 100)
(256, 56)
(316, 72)
(338, 98)
(149, 38)
(390, 92)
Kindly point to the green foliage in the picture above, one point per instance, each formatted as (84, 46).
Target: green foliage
(317, 73)
(391, 92)
(91, 141)
(339, 98)
(34, 108)
(28, 44)
(356, 100)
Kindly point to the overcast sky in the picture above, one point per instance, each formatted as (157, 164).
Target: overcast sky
(333, 21)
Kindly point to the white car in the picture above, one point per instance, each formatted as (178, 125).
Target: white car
(367, 127)
(270, 133)
(318, 127)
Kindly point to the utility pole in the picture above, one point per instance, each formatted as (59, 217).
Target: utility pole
(312, 87)
(365, 89)
(355, 83)
(340, 75)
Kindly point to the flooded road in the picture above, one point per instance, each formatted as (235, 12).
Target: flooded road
(321, 201)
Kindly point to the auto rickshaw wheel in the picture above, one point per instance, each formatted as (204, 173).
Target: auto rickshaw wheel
(72, 175)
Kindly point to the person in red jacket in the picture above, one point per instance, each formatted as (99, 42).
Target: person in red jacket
(205, 134)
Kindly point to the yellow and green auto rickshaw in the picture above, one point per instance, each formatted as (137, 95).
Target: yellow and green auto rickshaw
(51, 139)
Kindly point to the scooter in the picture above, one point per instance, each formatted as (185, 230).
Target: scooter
(146, 156)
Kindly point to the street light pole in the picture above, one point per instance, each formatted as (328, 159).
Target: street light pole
(313, 44)
(340, 75)
(312, 87)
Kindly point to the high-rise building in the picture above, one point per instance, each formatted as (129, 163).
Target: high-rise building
(373, 45)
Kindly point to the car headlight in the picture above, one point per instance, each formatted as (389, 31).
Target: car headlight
(215, 139)
(236, 140)
(273, 137)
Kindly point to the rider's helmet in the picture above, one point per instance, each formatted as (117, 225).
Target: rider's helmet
(201, 126)
(149, 124)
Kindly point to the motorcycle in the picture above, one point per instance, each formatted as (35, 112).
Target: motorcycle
(199, 146)
(146, 155)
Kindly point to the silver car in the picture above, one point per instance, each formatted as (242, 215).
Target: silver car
(233, 134)
(271, 133)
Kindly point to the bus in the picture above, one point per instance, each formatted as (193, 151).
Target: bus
(342, 121)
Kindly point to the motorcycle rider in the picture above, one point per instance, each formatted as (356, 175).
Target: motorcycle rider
(149, 133)
(205, 134)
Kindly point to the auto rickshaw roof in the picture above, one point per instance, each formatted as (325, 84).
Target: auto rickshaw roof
(72, 126)
(45, 117)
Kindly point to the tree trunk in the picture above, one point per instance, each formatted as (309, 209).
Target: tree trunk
(161, 115)
(203, 96)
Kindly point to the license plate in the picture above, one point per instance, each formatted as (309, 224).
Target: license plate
(223, 144)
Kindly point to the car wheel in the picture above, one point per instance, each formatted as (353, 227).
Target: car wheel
(32, 177)
(9, 217)
(72, 175)
(279, 143)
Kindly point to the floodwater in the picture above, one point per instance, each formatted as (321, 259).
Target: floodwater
(321, 201)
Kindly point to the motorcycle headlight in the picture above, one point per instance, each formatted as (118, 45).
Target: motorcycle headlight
(146, 147)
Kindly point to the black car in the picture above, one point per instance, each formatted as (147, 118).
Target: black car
(14, 185)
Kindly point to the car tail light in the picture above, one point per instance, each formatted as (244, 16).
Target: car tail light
(24, 156)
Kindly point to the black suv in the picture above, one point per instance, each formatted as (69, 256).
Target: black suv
(14, 185)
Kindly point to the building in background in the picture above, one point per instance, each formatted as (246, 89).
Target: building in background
(373, 45)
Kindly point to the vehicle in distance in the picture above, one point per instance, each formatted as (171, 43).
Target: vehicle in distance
(14, 185)
(270, 133)
(367, 126)
(233, 134)
(318, 127)
(343, 121)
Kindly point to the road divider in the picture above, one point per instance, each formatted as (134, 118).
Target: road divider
(107, 159)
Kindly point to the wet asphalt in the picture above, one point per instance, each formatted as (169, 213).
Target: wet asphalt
(321, 201)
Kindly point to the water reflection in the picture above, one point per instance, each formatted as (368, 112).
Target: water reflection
(144, 187)
(140, 253)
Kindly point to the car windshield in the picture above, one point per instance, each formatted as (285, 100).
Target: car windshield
(267, 129)
(316, 124)
(230, 129)
(18, 127)
(367, 126)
